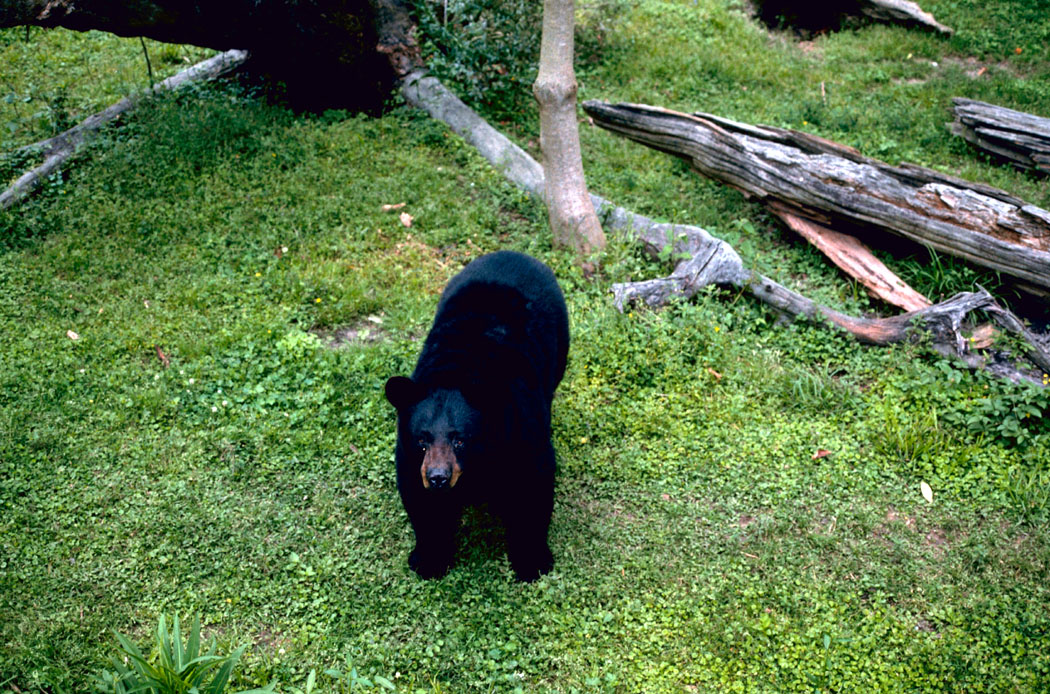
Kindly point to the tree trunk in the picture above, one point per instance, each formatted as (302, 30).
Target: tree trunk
(1020, 138)
(572, 217)
(363, 46)
(834, 186)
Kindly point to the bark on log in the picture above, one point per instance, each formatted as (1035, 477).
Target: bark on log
(570, 210)
(817, 17)
(834, 186)
(364, 46)
(713, 261)
(902, 12)
(1020, 138)
(60, 148)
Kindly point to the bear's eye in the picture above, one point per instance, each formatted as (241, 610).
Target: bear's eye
(457, 444)
(422, 444)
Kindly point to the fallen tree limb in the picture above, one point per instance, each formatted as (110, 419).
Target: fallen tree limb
(60, 148)
(1021, 138)
(835, 186)
(712, 261)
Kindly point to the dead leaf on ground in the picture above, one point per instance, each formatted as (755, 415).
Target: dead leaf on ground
(406, 219)
(821, 453)
(398, 206)
(927, 493)
(72, 335)
(162, 356)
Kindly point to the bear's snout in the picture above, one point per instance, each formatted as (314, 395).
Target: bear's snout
(440, 469)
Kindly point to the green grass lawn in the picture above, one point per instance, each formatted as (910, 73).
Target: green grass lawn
(738, 500)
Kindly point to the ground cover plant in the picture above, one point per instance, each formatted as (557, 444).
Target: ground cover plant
(196, 323)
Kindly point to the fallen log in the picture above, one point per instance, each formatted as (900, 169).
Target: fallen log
(712, 261)
(903, 12)
(835, 186)
(58, 149)
(825, 16)
(1020, 138)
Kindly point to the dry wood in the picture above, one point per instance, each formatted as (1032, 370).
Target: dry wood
(61, 147)
(809, 18)
(1021, 138)
(857, 261)
(571, 212)
(712, 261)
(901, 11)
(833, 185)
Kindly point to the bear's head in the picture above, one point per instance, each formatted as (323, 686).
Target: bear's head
(439, 426)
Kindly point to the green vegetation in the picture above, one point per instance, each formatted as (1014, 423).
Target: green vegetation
(738, 503)
(179, 668)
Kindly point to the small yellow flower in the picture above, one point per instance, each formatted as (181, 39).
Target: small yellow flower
(317, 300)
(258, 274)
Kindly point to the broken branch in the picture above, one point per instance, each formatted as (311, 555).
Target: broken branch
(60, 148)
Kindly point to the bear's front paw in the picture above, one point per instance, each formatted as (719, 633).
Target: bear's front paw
(530, 567)
(429, 564)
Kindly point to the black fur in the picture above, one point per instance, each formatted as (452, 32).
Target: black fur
(481, 393)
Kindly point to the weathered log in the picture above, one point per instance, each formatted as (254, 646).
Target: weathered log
(60, 148)
(902, 12)
(816, 17)
(1020, 138)
(834, 186)
(712, 261)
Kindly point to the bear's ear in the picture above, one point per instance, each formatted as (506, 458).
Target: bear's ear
(403, 392)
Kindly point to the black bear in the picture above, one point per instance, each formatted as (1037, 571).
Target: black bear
(474, 420)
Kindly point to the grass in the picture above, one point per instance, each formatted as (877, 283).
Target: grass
(738, 504)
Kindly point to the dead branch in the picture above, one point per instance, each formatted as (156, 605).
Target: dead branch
(1020, 138)
(60, 148)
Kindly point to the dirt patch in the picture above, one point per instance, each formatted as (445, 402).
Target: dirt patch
(366, 331)
(936, 538)
(971, 67)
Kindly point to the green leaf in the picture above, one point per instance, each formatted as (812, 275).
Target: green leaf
(193, 645)
(177, 645)
(223, 675)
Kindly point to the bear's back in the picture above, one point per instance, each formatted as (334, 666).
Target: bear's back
(504, 313)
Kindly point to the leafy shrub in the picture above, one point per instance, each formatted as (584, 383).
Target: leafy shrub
(176, 668)
(490, 49)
